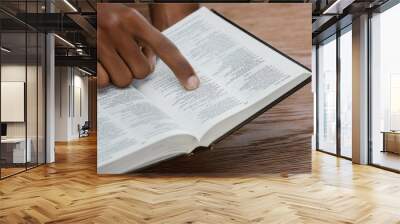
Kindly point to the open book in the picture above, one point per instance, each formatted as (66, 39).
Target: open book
(156, 118)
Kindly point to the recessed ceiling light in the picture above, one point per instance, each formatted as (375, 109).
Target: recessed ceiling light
(5, 50)
(65, 41)
(337, 7)
(84, 71)
(70, 5)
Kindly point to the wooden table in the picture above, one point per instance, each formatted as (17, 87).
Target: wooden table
(391, 141)
(279, 141)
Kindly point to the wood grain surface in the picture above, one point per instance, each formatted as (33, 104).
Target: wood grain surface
(279, 141)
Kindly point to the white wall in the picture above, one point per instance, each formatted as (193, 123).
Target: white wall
(82, 83)
(62, 81)
(70, 83)
(80, 109)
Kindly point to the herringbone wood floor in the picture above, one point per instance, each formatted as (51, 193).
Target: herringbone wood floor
(70, 191)
(260, 174)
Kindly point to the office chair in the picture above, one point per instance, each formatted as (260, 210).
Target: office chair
(84, 130)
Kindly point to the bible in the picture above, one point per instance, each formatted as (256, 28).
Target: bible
(155, 119)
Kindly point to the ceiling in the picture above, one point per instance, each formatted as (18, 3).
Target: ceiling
(72, 20)
(39, 6)
(19, 54)
(332, 15)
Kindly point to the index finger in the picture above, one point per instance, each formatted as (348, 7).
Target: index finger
(167, 51)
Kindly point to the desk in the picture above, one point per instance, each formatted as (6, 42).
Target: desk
(391, 141)
(13, 150)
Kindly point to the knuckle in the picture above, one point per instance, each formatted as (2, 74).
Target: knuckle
(130, 15)
(143, 71)
(110, 23)
(122, 82)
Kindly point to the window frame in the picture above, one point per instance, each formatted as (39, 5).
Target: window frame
(337, 35)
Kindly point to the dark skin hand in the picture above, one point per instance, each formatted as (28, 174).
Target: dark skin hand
(128, 45)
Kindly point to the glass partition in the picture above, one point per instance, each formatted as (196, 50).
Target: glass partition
(14, 153)
(31, 99)
(22, 101)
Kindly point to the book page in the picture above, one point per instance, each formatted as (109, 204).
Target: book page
(235, 71)
(233, 59)
(196, 110)
(128, 122)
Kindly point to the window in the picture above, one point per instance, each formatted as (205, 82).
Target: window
(385, 89)
(327, 95)
(346, 92)
(334, 94)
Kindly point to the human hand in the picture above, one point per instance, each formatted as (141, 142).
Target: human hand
(127, 48)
